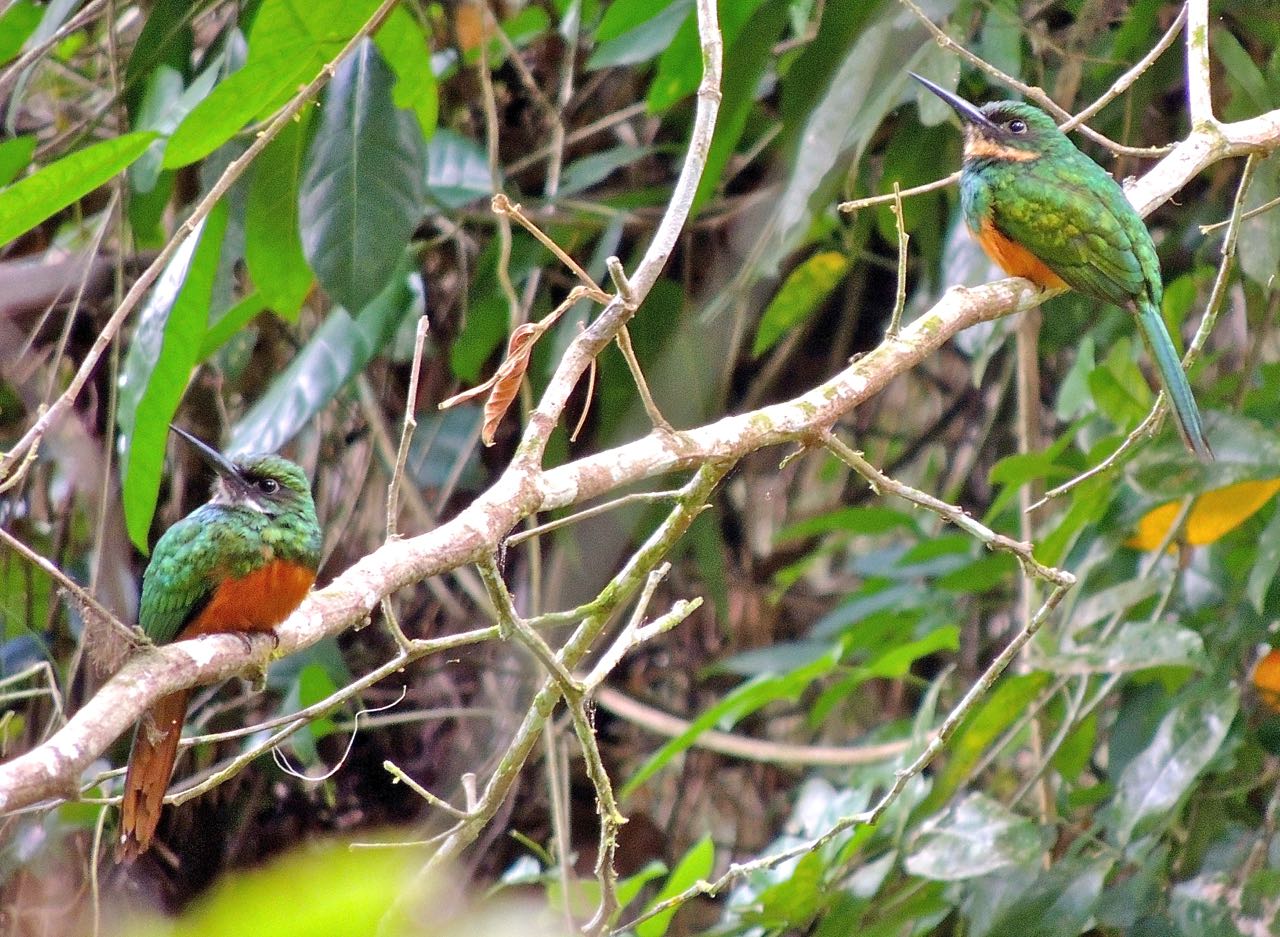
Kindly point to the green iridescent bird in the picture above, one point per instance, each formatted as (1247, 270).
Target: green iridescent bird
(1043, 210)
(240, 564)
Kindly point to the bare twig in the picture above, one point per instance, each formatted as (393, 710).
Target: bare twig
(406, 432)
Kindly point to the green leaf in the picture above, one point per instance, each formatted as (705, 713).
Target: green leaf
(792, 903)
(622, 16)
(441, 440)
(1059, 903)
(868, 81)
(752, 57)
(321, 889)
(47, 191)
(16, 26)
(337, 352)
(1259, 243)
(311, 684)
(230, 323)
(981, 575)
(273, 243)
(1154, 782)
(1138, 645)
(583, 173)
(1002, 708)
(164, 105)
(291, 40)
(362, 194)
(1001, 40)
(236, 100)
(680, 67)
(1266, 560)
(975, 837)
(629, 887)
(801, 293)
(166, 40)
(158, 366)
(1118, 387)
(695, 866)
(1241, 69)
(15, 156)
(736, 704)
(457, 170)
(643, 40)
(404, 48)
(854, 520)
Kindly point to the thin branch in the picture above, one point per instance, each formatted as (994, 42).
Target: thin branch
(738, 746)
(406, 431)
(900, 297)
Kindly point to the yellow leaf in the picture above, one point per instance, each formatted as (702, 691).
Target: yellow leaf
(1214, 515)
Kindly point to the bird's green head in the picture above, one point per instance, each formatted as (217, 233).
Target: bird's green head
(266, 484)
(1002, 131)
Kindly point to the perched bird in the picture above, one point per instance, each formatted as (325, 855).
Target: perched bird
(1043, 210)
(240, 563)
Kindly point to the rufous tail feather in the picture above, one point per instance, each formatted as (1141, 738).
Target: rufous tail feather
(155, 748)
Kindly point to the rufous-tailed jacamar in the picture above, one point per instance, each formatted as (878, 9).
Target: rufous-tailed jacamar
(1043, 210)
(240, 563)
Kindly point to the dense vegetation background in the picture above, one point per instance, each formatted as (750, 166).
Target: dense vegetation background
(236, 216)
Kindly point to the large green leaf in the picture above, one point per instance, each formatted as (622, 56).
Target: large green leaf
(362, 194)
(19, 21)
(647, 31)
(1259, 243)
(1156, 779)
(1138, 645)
(158, 366)
(975, 837)
(166, 40)
(457, 170)
(30, 201)
(273, 242)
(1060, 903)
(696, 864)
(234, 102)
(872, 75)
(15, 156)
(680, 67)
(801, 293)
(337, 352)
(738, 703)
(165, 104)
(289, 43)
(407, 51)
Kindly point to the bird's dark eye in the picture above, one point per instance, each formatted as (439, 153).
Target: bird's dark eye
(1017, 126)
(268, 486)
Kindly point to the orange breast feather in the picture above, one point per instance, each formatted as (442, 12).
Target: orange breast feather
(256, 602)
(1016, 260)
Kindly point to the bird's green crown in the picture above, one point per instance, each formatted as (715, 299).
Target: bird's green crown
(269, 484)
(1012, 128)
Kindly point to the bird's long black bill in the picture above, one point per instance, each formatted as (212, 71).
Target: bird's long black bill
(969, 113)
(217, 461)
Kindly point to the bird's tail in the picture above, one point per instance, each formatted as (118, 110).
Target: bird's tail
(1185, 413)
(155, 747)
